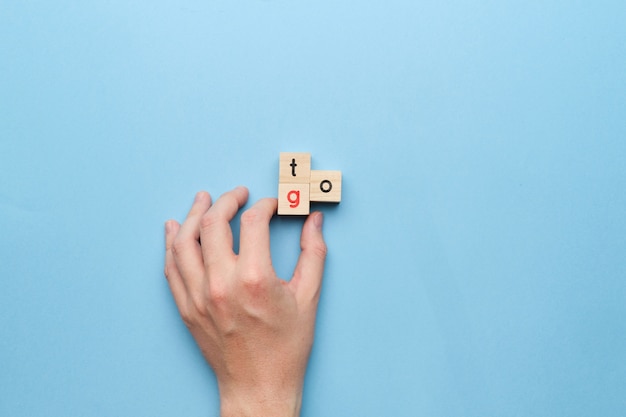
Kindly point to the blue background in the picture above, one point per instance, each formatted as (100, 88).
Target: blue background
(476, 262)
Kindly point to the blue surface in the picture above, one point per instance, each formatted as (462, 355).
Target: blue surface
(476, 262)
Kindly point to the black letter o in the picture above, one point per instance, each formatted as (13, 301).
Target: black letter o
(330, 186)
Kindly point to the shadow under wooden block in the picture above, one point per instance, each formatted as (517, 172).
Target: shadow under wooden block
(294, 168)
(293, 199)
(325, 186)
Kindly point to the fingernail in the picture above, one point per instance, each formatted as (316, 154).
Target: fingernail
(168, 226)
(318, 220)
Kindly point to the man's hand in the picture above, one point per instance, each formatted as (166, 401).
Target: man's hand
(254, 329)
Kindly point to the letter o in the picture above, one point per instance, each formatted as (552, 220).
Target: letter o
(328, 188)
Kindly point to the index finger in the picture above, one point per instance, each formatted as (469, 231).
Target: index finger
(254, 244)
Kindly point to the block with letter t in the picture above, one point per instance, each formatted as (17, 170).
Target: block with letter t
(295, 168)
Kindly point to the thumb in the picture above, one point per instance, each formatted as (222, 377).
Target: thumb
(307, 276)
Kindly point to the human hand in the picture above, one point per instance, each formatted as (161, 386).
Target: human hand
(254, 329)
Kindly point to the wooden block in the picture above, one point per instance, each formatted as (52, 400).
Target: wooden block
(325, 186)
(293, 199)
(295, 168)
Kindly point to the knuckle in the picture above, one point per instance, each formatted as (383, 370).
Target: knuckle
(208, 221)
(320, 250)
(250, 216)
(199, 305)
(218, 295)
(187, 317)
(253, 281)
(180, 245)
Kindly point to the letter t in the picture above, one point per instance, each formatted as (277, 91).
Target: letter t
(293, 166)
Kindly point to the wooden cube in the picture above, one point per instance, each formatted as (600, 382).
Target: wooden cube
(325, 186)
(293, 199)
(295, 168)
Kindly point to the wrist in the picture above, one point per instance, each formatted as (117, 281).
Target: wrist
(260, 400)
(260, 406)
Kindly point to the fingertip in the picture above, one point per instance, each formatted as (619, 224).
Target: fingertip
(318, 220)
(202, 195)
(256, 219)
(242, 189)
(269, 202)
(265, 206)
(314, 223)
(171, 228)
(242, 194)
